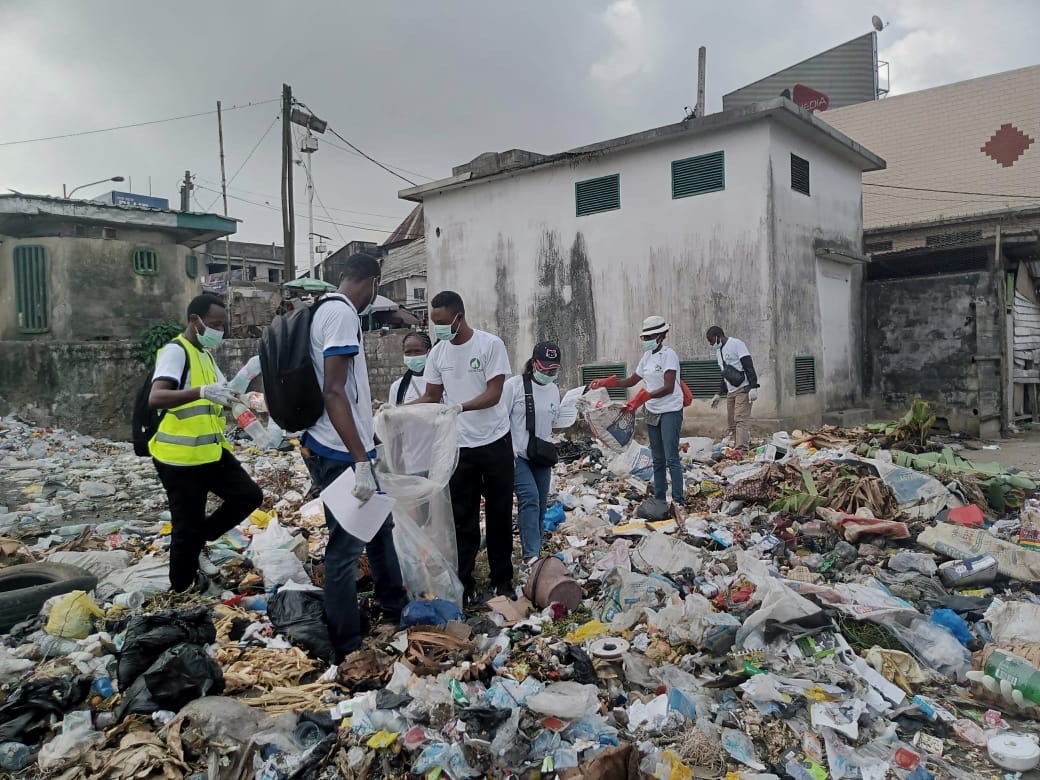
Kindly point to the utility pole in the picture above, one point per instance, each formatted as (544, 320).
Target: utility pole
(288, 217)
(309, 145)
(227, 241)
(702, 56)
(186, 189)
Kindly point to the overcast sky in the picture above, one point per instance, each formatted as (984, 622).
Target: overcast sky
(420, 85)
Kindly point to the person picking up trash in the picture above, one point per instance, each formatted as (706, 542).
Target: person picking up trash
(467, 369)
(412, 384)
(342, 439)
(533, 402)
(191, 455)
(739, 384)
(658, 368)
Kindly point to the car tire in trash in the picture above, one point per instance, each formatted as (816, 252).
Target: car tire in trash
(24, 588)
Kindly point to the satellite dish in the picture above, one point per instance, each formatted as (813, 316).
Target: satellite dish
(878, 24)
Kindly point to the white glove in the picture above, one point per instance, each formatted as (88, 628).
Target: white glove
(218, 394)
(752, 394)
(457, 408)
(715, 399)
(364, 481)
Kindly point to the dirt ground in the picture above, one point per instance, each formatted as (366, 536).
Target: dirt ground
(1021, 451)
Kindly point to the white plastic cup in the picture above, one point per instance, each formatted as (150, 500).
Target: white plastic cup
(132, 600)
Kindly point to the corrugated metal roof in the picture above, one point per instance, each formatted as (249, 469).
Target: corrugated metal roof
(413, 227)
(405, 261)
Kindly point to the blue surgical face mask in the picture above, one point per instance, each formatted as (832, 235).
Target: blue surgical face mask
(543, 379)
(650, 345)
(209, 337)
(415, 363)
(446, 332)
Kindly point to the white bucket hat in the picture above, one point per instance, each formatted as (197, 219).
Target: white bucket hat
(654, 325)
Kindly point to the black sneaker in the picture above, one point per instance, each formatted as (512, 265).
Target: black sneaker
(505, 589)
(471, 599)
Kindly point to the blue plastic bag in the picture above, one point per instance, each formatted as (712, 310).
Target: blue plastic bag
(435, 612)
(554, 516)
(953, 623)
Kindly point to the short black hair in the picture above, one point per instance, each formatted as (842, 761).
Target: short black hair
(361, 266)
(449, 300)
(715, 332)
(201, 304)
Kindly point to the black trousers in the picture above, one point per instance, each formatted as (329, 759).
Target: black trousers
(187, 488)
(484, 471)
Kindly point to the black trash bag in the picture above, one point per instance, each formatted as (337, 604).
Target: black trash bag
(149, 636)
(483, 722)
(30, 706)
(654, 509)
(300, 615)
(181, 674)
(584, 671)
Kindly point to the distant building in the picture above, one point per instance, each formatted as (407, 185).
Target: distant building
(249, 262)
(404, 268)
(952, 227)
(331, 268)
(749, 219)
(78, 270)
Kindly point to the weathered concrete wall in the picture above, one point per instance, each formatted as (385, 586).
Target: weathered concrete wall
(95, 295)
(936, 337)
(90, 387)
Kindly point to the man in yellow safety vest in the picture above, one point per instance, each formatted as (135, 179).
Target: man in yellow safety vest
(189, 449)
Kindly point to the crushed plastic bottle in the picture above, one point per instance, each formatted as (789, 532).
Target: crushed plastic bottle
(245, 375)
(247, 421)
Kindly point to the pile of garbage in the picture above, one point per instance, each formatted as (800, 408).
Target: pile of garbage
(826, 607)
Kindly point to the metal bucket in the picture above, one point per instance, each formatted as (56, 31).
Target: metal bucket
(550, 583)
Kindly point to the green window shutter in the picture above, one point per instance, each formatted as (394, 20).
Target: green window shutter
(804, 375)
(146, 262)
(603, 370)
(32, 289)
(191, 266)
(595, 195)
(799, 174)
(698, 175)
(703, 377)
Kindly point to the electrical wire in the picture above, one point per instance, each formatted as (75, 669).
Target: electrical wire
(953, 192)
(249, 156)
(327, 214)
(327, 142)
(134, 124)
(395, 219)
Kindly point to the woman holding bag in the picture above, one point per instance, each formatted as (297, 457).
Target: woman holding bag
(533, 402)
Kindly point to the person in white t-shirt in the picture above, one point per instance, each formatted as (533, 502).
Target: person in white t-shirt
(416, 347)
(663, 397)
(343, 439)
(739, 384)
(531, 479)
(467, 369)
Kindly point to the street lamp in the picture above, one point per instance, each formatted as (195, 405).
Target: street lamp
(91, 184)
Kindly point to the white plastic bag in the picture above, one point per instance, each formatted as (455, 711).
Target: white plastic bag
(280, 566)
(275, 536)
(418, 455)
(567, 700)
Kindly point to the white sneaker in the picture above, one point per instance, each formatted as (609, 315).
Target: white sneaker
(206, 566)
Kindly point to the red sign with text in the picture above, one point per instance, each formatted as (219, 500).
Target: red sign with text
(809, 98)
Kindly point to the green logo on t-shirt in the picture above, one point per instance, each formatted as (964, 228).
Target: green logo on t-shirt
(474, 363)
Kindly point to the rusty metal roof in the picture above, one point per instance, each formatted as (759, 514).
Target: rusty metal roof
(413, 227)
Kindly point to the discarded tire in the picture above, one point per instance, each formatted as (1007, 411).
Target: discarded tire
(24, 588)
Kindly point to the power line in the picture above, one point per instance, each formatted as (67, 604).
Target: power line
(249, 156)
(327, 214)
(355, 154)
(394, 219)
(135, 124)
(953, 192)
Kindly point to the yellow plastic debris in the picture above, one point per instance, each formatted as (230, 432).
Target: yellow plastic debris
(72, 616)
(382, 739)
(262, 519)
(633, 526)
(588, 630)
(672, 767)
(167, 528)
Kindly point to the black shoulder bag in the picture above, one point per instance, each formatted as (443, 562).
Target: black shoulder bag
(539, 451)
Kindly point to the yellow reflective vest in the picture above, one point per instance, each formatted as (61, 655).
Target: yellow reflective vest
(192, 434)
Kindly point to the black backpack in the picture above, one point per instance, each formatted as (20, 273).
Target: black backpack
(144, 421)
(291, 387)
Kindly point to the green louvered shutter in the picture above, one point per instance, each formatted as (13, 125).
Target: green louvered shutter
(703, 377)
(595, 195)
(32, 289)
(603, 370)
(804, 375)
(698, 175)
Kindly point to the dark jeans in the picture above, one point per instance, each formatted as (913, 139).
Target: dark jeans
(664, 444)
(484, 471)
(532, 492)
(341, 559)
(187, 488)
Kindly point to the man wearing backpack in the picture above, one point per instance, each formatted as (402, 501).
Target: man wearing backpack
(342, 439)
(189, 450)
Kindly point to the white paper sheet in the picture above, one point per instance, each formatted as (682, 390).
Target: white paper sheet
(568, 413)
(357, 519)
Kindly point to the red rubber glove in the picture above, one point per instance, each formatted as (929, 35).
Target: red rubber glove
(607, 382)
(641, 398)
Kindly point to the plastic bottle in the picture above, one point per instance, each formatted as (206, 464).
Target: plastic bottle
(14, 756)
(247, 421)
(248, 372)
(1017, 679)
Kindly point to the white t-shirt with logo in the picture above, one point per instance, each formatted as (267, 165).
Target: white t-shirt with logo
(464, 371)
(336, 330)
(416, 387)
(651, 369)
(730, 354)
(546, 409)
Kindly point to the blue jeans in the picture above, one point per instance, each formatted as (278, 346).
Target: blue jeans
(664, 444)
(531, 484)
(341, 559)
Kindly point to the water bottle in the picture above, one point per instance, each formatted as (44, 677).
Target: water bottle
(247, 422)
(248, 372)
(1016, 678)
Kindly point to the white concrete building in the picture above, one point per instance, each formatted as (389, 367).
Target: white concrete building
(749, 219)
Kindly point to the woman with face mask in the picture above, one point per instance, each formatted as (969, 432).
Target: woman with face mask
(411, 385)
(659, 369)
(533, 469)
